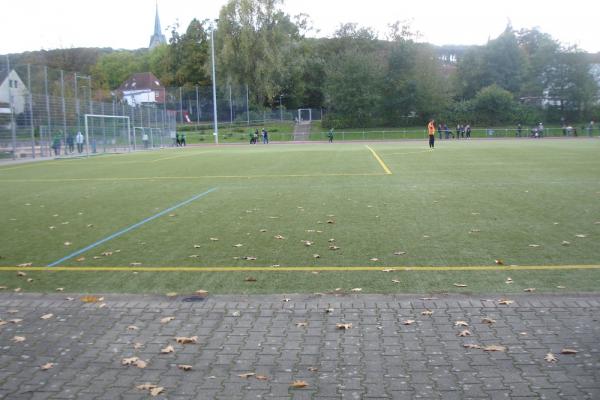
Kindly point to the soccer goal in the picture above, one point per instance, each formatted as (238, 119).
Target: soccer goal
(107, 133)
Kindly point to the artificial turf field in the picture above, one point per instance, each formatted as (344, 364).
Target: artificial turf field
(448, 214)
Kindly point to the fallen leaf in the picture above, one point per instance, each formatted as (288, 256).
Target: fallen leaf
(132, 328)
(46, 366)
(47, 316)
(494, 347)
(3, 287)
(499, 262)
(460, 285)
(561, 287)
(399, 253)
(285, 299)
(395, 281)
(15, 320)
(374, 259)
(534, 245)
(529, 290)
(550, 358)
(167, 350)
(156, 391)
(505, 302)
(60, 289)
(137, 345)
(51, 227)
(301, 324)
(408, 322)
(307, 243)
(509, 280)
(471, 346)
(21, 273)
(316, 256)
(17, 290)
(202, 292)
(461, 323)
(106, 253)
(388, 270)
(313, 369)
(329, 310)
(299, 384)
(250, 279)
(18, 339)
(29, 280)
(331, 240)
(581, 235)
(90, 299)
(565, 243)
(135, 361)
(185, 367)
(568, 351)
(67, 243)
(263, 230)
(487, 320)
(238, 245)
(427, 313)
(146, 386)
(194, 256)
(186, 340)
(247, 375)
(330, 221)
(279, 237)
(69, 298)
(249, 258)
(25, 265)
(343, 326)
(334, 248)
(357, 289)
(465, 332)
(262, 377)
(166, 320)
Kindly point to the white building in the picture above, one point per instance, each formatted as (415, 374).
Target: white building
(13, 91)
(142, 88)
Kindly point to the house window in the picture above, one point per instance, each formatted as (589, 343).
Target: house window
(15, 83)
(10, 83)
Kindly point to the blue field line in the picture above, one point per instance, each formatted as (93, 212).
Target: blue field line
(130, 228)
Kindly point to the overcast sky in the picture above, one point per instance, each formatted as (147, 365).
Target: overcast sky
(29, 25)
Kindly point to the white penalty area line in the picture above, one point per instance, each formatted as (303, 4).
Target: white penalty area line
(130, 228)
(480, 268)
(385, 167)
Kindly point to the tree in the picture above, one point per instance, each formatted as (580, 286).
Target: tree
(493, 105)
(113, 69)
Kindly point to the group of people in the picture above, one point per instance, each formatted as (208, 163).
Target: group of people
(254, 136)
(179, 139)
(70, 142)
(463, 131)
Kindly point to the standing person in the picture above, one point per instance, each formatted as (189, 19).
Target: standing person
(468, 131)
(431, 132)
(182, 139)
(439, 129)
(330, 135)
(265, 136)
(70, 142)
(56, 144)
(79, 141)
(145, 140)
(541, 130)
(591, 128)
(251, 136)
(177, 139)
(519, 129)
(458, 128)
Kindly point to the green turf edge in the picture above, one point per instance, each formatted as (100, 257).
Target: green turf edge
(276, 282)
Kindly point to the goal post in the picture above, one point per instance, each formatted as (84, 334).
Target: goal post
(124, 126)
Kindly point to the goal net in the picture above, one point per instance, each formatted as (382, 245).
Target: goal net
(106, 134)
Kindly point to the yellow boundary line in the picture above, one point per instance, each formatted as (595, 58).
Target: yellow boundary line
(152, 178)
(385, 168)
(299, 269)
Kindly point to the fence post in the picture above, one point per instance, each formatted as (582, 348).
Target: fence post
(47, 106)
(30, 100)
(247, 106)
(62, 96)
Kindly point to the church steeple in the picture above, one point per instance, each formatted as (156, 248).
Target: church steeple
(157, 38)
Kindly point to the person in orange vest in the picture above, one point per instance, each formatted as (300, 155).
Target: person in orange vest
(431, 131)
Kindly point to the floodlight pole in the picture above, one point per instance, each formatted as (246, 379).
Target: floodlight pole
(214, 84)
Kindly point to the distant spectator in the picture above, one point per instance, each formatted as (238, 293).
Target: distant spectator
(519, 129)
(145, 140)
(439, 129)
(70, 142)
(591, 128)
(182, 139)
(56, 143)
(265, 136)
(330, 135)
(468, 131)
(541, 130)
(79, 140)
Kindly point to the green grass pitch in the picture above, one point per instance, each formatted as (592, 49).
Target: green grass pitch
(468, 203)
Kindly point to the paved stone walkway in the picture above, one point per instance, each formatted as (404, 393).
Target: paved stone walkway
(379, 357)
(302, 131)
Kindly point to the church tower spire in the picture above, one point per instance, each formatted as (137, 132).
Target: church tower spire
(157, 38)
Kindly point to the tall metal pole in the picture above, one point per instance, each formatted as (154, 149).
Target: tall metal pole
(197, 108)
(247, 105)
(47, 104)
(12, 112)
(62, 95)
(230, 107)
(280, 109)
(214, 84)
(30, 99)
(180, 106)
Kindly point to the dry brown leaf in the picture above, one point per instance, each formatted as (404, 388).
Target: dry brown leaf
(313, 369)
(460, 285)
(509, 280)
(137, 345)
(487, 320)
(329, 310)
(185, 367)
(427, 313)
(238, 245)
(21, 273)
(156, 391)
(529, 290)
(135, 264)
(465, 332)
(15, 320)
(25, 265)
(534, 245)
(565, 243)
(247, 375)
(461, 323)
(561, 287)
(18, 339)
(388, 270)
(301, 324)
(357, 289)
(249, 258)
(471, 346)
(132, 328)
(343, 326)
(298, 384)
(568, 351)
(166, 320)
(316, 256)
(194, 256)
(146, 386)
(408, 322)
(29, 280)
(17, 290)
(250, 279)
(46, 366)
(399, 253)
(47, 316)
(395, 281)
(202, 292)
(101, 305)
(505, 302)
(494, 347)
(106, 253)
(67, 243)
(135, 361)
(550, 357)
(60, 289)
(80, 259)
(262, 377)
(167, 350)
(90, 299)
(186, 340)
(374, 259)
(581, 235)
(3, 287)
(330, 221)
(334, 248)
(69, 298)
(279, 237)
(499, 262)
